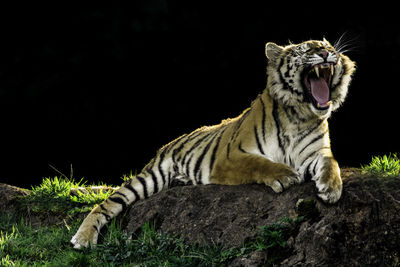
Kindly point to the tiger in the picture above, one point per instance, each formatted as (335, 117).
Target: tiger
(281, 140)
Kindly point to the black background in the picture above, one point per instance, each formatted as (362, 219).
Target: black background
(103, 86)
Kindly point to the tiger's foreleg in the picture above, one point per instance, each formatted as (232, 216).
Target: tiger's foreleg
(249, 168)
(327, 179)
(140, 187)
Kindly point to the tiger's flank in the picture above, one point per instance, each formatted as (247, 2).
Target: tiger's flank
(282, 139)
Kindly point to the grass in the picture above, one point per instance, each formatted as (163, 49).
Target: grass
(22, 244)
(54, 196)
(387, 166)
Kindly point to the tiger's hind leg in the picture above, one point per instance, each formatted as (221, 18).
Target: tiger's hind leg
(140, 187)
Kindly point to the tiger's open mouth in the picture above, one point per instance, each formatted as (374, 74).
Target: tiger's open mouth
(317, 80)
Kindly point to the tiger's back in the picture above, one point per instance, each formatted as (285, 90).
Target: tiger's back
(282, 139)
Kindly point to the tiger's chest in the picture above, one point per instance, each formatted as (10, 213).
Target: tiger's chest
(288, 144)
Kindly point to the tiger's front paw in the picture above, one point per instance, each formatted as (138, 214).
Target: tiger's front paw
(331, 195)
(329, 185)
(84, 237)
(283, 179)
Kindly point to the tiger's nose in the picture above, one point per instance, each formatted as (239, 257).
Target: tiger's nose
(323, 54)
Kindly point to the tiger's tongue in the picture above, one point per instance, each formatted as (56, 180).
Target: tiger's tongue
(319, 90)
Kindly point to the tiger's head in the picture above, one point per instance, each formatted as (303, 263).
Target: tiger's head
(311, 77)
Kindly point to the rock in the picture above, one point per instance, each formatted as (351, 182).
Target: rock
(254, 259)
(8, 196)
(225, 215)
(362, 229)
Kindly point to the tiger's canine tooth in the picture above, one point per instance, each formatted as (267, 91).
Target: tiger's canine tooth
(316, 71)
(327, 104)
(332, 69)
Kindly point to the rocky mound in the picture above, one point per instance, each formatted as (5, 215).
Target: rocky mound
(362, 229)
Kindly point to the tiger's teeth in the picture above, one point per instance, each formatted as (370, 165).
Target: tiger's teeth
(327, 104)
(316, 71)
(332, 70)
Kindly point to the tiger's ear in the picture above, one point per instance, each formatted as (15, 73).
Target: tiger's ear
(326, 41)
(273, 51)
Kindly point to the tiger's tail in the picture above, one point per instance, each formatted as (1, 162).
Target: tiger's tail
(140, 187)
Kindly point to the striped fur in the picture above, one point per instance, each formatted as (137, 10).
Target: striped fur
(281, 140)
